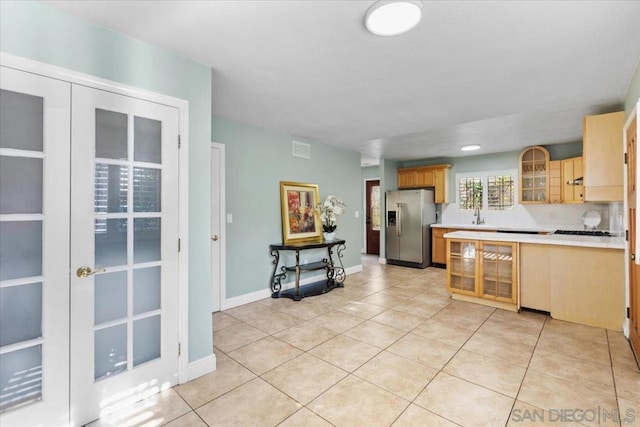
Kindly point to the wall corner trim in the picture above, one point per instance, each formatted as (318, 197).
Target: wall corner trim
(201, 367)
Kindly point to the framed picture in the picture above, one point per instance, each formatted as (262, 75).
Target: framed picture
(300, 221)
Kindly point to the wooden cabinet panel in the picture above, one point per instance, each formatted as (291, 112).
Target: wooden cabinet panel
(587, 285)
(441, 184)
(603, 159)
(439, 245)
(424, 178)
(407, 178)
(572, 188)
(555, 182)
(535, 277)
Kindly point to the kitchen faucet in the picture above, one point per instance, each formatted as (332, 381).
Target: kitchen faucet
(476, 214)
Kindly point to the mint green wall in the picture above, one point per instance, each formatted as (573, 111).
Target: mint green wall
(633, 94)
(370, 172)
(256, 161)
(39, 32)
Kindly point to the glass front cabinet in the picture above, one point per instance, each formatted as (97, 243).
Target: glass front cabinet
(482, 269)
(534, 175)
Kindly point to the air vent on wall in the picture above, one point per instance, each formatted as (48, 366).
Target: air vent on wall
(300, 149)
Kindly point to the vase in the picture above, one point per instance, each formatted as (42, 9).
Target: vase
(329, 236)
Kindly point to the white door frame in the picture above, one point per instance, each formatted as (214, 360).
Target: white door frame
(48, 70)
(218, 271)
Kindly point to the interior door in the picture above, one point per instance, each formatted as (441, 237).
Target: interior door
(34, 256)
(373, 216)
(634, 292)
(124, 251)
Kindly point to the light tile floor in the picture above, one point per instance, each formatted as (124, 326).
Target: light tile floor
(392, 348)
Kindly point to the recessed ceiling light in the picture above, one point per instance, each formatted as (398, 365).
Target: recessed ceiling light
(470, 147)
(393, 17)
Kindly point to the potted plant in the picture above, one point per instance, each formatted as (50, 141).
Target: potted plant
(329, 211)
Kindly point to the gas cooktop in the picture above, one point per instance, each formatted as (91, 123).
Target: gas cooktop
(584, 232)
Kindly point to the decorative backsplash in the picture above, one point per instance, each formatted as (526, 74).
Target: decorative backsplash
(551, 217)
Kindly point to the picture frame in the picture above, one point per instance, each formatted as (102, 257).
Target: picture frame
(300, 220)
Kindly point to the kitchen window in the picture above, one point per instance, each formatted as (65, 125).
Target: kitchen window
(492, 190)
(470, 193)
(500, 192)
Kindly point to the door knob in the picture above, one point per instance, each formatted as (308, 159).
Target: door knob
(214, 237)
(86, 271)
(633, 257)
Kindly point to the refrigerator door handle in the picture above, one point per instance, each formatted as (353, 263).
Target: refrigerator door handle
(399, 221)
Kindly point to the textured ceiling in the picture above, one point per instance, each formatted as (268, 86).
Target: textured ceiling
(503, 74)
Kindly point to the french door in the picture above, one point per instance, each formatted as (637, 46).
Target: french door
(34, 250)
(89, 251)
(124, 251)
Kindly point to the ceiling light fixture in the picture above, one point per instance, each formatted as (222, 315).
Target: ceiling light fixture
(393, 17)
(470, 147)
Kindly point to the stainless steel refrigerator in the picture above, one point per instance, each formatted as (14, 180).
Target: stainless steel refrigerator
(410, 214)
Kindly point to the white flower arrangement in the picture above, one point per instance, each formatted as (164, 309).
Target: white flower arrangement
(329, 211)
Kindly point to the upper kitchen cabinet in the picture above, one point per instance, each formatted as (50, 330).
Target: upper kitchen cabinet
(572, 188)
(436, 176)
(603, 158)
(534, 175)
(555, 181)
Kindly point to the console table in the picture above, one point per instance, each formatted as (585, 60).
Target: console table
(334, 270)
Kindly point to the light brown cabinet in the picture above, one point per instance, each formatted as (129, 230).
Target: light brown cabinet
(438, 246)
(484, 270)
(603, 157)
(534, 175)
(578, 284)
(436, 176)
(441, 184)
(572, 178)
(407, 178)
(535, 277)
(439, 243)
(555, 181)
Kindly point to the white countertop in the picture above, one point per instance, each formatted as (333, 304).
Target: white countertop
(541, 239)
(492, 227)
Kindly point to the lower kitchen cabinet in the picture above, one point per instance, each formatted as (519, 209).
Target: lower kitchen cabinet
(535, 277)
(483, 272)
(439, 243)
(578, 284)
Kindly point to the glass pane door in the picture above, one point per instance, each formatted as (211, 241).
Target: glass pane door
(125, 231)
(34, 242)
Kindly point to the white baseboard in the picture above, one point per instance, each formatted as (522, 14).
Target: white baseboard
(382, 260)
(266, 293)
(201, 367)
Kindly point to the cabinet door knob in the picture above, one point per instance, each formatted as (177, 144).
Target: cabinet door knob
(214, 237)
